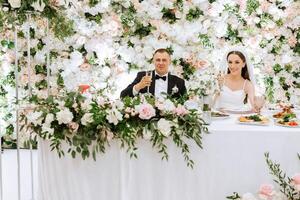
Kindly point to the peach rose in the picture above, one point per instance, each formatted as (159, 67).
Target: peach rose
(292, 41)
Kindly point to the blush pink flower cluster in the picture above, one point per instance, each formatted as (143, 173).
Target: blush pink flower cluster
(180, 110)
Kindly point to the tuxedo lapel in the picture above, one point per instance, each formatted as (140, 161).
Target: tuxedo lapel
(152, 86)
(170, 83)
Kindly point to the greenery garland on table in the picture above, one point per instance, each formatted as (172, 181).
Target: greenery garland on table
(289, 187)
(89, 124)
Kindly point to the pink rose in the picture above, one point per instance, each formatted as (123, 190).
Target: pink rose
(146, 111)
(73, 126)
(266, 191)
(296, 181)
(180, 110)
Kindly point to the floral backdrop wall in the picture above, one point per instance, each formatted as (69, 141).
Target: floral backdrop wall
(98, 42)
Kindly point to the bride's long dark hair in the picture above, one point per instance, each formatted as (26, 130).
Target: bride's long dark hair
(245, 73)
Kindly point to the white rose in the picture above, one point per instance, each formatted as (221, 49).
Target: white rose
(119, 104)
(169, 105)
(35, 118)
(49, 119)
(164, 126)
(86, 105)
(15, 3)
(114, 116)
(191, 104)
(47, 129)
(64, 116)
(87, 118)
(286, 59)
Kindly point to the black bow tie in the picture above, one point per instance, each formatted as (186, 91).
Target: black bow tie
(162, 77)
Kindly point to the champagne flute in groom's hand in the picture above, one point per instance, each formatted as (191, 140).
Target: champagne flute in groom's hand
(148, 77)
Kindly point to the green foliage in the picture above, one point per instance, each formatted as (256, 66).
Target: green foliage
(7, 44)
(234, 10)
(269, 83)
(252, 5)
(169, 15)
(277, 68)
(234, 196)
(142, 31)
(205, 41)
(62, 27)
(41, 69)
(93, 3)
(281, 179)
(188, 69)
(128, 16)
(97, 18)
(233, 35)
(193, 14)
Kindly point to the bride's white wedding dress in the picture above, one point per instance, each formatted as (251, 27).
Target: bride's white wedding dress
(232, 100)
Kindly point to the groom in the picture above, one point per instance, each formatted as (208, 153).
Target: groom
(158, 81)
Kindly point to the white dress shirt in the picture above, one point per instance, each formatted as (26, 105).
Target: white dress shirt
(161, 86)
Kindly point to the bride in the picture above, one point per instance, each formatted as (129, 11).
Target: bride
(237, 88)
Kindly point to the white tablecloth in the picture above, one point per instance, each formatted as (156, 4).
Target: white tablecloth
(232, 160)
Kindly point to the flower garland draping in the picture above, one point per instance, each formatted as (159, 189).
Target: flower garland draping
(94, 42)
(87, 125)
(289, 187)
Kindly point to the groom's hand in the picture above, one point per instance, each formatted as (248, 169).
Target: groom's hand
(145, 82)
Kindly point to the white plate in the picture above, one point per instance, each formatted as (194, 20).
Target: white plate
(254, 123)
(219, 117)
(216, 118)
(238, 111)
(277, 124)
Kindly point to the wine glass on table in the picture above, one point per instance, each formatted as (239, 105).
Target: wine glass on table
(259, 102)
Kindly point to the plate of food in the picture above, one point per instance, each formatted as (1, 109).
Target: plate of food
(288, 120)
(286, 111)
(254, 120)
(219, 115)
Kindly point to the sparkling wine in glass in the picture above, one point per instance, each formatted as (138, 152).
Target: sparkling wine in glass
(259, 102)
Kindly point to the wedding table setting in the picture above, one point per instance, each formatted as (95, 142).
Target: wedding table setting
(232, 160)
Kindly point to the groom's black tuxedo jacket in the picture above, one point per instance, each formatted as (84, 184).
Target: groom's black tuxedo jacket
(173, 81)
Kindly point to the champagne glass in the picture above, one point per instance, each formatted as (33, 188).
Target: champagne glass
(259, 102)
(148, 74)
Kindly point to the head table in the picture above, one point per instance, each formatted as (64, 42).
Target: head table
(232, 160)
